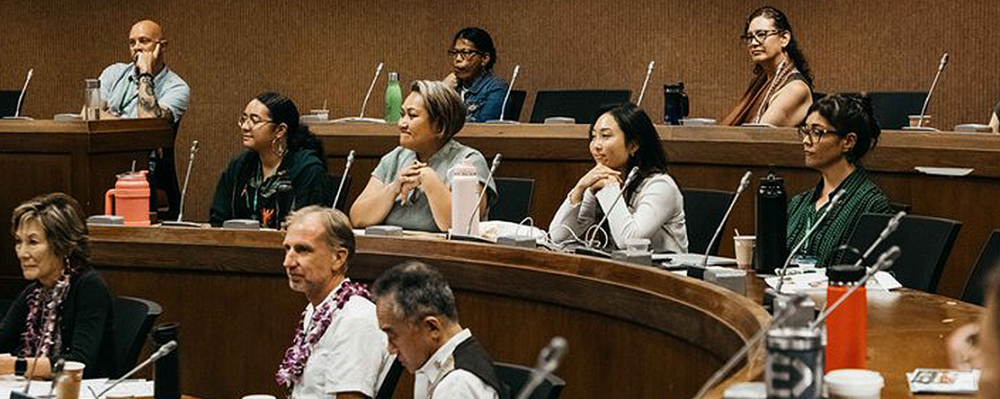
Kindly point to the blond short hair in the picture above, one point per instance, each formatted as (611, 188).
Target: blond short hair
(444, 106)
(336, 225)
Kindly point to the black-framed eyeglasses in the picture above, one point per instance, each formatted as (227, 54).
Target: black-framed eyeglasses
(463, 54)
(759, 35)
(814, 132)
(254, 121)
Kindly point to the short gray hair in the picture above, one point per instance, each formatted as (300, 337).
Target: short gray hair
(337, 226)
(444, 106)
(62, 219)
(418, 291)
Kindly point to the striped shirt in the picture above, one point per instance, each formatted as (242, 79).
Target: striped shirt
(861, 195)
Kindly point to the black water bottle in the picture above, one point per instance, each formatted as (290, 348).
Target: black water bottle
(166, 375)
(675, 103)
(772, 221)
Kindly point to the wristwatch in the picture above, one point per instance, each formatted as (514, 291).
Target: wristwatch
(20, 366)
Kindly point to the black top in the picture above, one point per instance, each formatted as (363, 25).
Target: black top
(243, 194)
(86, 324)
(472, 357)
(996, 111)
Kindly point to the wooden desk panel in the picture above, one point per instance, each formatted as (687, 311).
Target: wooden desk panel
(78, 158)
(635, 331)
(715, 157)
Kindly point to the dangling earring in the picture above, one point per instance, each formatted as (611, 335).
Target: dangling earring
(278, 147)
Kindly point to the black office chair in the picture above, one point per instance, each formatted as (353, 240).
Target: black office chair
(703, 211)
(514, 199)
(975, 286)
(893, 108)
(8, 102)
(514, 105)
(134, 317)
(388, 386)
(5, 306)
(925, 243)
(514, 377)
(333, 182)
(581, 105)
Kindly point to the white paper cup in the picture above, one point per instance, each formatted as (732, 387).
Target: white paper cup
(68, 384)
(322, 114)
(744, 250)
(854, 384)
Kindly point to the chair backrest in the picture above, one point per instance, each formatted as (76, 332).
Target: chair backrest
(703, 211)
(975, 286)
(925, 243)
(581, 105)
(513, 199)
(333, 182)
(514, 105)
(515, 376)
(134, 317)
(8, 102)
(893, 108)
(388, 386)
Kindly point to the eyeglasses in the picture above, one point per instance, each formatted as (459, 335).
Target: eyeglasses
(254, 121)
(760, 36)
(463, 54)
(814, 132)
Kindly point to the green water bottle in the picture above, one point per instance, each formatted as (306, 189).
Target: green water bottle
(393, 99)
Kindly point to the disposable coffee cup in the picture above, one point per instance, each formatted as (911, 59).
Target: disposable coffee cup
(68, 383)
(915, 119)
(744, 250)
(854, 384)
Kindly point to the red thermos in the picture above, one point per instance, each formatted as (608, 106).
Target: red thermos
(847, 325)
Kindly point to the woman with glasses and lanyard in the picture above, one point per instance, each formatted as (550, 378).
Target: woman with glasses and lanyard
(781, 90)
(838, 132)
(283, 169)
(472, 58)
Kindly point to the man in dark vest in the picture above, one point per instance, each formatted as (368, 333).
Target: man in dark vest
(416, 309)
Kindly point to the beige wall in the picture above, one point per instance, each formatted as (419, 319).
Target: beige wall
(326, 50)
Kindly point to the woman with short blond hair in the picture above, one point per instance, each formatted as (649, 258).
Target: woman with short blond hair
(411, 186)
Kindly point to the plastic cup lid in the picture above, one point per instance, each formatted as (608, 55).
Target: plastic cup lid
(73, 366)
(853, 380)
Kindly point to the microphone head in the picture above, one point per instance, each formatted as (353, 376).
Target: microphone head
(650, 68)
(350, 157)
(194, 147)
(554, 350)
(631, 175)
(517, 68)
(31, 72)
(166, 348)
(944, 59)
(887, 258)
(836, 198)
(496, 162)
(745, 180)
(379, 68)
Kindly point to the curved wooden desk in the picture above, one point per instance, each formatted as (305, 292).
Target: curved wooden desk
(715, 157)
(634, 332)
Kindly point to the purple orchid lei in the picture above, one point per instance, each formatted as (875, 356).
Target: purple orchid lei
(39, 336)
(294, 363)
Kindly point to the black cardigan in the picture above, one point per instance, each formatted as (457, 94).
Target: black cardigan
(86, 322)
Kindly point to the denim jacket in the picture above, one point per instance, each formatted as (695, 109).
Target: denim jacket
(484, 97)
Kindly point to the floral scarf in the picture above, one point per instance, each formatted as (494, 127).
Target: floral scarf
(294, 363)
(40, 335)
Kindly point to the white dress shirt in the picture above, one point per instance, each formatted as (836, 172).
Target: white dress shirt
(350, 357)
(656, 212)
(438, 378)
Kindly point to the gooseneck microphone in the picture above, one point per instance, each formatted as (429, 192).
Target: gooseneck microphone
(649, 71)
(632, 174)
(777, 320)
(364, 104)
(548, 361)
(163, 351)
(886, 232)
(513, 78)
(489, 178)
(20, 98)
(744, 183)
(927, 101)
(347, 169)
(829, 208)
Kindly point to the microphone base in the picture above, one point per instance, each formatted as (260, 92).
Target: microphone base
(500, 122)
(18, 118)
(180, 224)
(355, 119)
(468, 238)
(920, 129)
(20, 395)
(592, 252)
